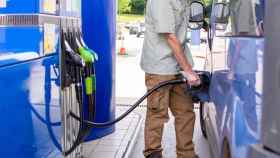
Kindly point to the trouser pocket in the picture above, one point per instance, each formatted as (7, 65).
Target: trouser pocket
(158, 100)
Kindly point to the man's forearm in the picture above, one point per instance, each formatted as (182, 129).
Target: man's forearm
(178, 52)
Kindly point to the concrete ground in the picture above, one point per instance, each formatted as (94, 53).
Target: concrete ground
(115, 145)
(130, 86)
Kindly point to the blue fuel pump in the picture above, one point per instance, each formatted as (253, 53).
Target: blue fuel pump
(30, 66)
(99, 28)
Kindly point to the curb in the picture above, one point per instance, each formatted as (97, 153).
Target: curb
(132, 142)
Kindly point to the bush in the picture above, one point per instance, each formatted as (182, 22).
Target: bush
(124, 7)
(137, 6)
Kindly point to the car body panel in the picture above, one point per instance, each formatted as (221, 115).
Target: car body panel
(234, 112)
(269, 147)
(234, 96)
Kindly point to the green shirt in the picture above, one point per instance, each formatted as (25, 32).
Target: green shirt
(164, 16)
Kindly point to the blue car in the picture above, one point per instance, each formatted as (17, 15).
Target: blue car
(230, 121)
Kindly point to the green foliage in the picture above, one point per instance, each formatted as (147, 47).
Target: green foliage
(208, 7)
(131, 6)
(137, 6)
(124, 7)
(208, 2)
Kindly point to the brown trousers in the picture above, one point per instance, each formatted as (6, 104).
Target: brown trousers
(181, 106)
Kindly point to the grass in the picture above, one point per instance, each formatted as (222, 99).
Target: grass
(126, 18)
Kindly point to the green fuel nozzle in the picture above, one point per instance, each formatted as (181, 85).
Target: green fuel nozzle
(89, 57)
(93, 53)
(86, 55)
(83, 44)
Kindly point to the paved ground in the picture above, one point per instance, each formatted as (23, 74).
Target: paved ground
(129, 76)
(127, 141)
(117, 144)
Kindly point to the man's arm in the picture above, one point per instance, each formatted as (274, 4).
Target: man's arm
(178, 52)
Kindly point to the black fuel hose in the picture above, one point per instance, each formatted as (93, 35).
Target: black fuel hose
(91, 124)
(134, 106)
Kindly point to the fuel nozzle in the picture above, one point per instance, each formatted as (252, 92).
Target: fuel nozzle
(73, 59)
(200, 93)
(82, 42)
(89, 56)
(86, 55)
(89, 74)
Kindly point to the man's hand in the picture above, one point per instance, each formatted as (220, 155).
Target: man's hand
(192, 77)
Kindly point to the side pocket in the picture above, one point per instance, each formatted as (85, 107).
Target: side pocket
(155, 101)
(159, 100)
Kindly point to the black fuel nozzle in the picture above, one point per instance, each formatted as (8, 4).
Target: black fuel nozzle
(74, 59)
(200, 93)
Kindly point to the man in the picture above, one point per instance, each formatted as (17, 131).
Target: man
(165, 54)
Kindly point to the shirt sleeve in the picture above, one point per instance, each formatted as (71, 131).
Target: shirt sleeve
(163, 15)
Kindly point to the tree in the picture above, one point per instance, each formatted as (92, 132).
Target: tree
(208, 2)
(124, 7)
(137, 6)
(208, 5)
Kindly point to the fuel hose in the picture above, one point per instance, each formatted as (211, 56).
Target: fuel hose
(204, 78)
(133, 107)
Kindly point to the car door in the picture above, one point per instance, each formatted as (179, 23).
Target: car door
(235, 61)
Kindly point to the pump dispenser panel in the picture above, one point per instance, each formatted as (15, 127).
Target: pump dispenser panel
(47, 71)
(50, 7)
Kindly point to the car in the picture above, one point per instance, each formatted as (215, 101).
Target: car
(141, 29)
(202, 35)
(133, 29)
(230, 121)
(269, 147)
